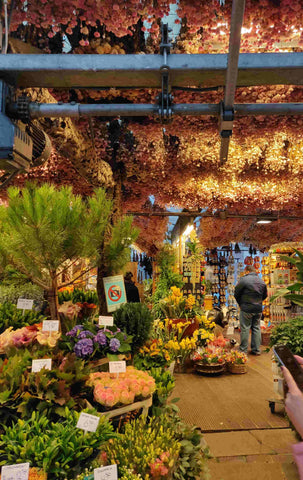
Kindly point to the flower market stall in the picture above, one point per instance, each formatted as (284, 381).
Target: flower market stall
(75, 393)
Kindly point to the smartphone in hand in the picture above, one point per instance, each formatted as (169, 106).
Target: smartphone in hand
(286, 358)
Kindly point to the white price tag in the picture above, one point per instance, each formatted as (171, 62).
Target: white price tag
(20, 471)
(88, 422)
(25, 304)
(106, 321)
(37, 365)
(50, 326)
(117, 367)
(106, 473)
(230, 331)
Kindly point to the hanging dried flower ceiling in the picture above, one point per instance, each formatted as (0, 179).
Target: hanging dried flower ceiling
(179, 163)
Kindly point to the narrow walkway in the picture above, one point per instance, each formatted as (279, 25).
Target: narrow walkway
(245, 439)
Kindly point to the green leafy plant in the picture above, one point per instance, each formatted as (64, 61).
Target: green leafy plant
(60, 449)
(167, 278)
(50, 391)
(165, 383)
(289, 333)
(11, 316)
(290, 291)
(136, 320)
(11, 293)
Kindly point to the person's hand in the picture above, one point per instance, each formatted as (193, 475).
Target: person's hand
(294, 399)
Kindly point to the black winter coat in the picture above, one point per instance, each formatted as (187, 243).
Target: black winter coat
(250, 293)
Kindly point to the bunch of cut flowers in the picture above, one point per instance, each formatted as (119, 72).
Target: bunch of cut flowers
(111, 391)
(175, 305)
(210, 356)
(236, 358)
(26, 337)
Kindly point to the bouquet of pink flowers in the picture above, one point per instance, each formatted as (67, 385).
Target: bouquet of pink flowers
(22, 337)
(110, 390)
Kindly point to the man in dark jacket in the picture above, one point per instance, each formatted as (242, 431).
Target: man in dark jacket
(250, 293)
(132, 292)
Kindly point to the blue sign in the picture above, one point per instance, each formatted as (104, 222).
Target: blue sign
(114, 292)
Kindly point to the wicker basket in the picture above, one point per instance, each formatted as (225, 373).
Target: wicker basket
(265, 338)
(211, 370)
(237, 368)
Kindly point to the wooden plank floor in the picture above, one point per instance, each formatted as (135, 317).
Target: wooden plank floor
(230, 402)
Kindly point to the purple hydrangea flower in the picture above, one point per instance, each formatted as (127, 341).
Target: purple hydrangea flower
(85, 334)
(100, 338)
(114, 344)
(84, 347)
(73, 331)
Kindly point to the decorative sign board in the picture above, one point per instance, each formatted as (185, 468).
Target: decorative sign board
(106, 321)
(37, 365)
(88, 422)
(114, 292)
(106, 473)
(117, 367)
(19, 471)
(25, 304)
(50, 326)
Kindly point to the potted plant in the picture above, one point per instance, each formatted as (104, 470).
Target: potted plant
(210, 361)
(237, 362)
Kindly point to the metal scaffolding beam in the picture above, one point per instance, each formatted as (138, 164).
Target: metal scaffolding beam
(195, 70)
(76, 110)
(227, 114)
(209, 215)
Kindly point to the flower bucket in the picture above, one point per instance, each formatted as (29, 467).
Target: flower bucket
(237, 368)
(210, 369)
(265, 338)
(171, 367)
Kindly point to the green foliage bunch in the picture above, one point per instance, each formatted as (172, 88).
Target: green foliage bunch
(78, 296)
(293, 292)
(289, 333)
(117, 250)
(142, 444)
(11, 316)
(166, 260)
(165, 383)
(11, 293)
(136, 320)
(60, 449)
(47, 391)
(50, 391)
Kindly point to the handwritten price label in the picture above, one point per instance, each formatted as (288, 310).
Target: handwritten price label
(230, 331)
(106, 321)
(50, 326)
(19, 471)
(37, 365)
(117, 367)
(25, 304)
(88, 422)
(106, 473)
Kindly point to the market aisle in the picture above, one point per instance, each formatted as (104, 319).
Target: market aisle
(244, 438)
(230, 402)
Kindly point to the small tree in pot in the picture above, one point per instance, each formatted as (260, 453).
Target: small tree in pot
(44, 231)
